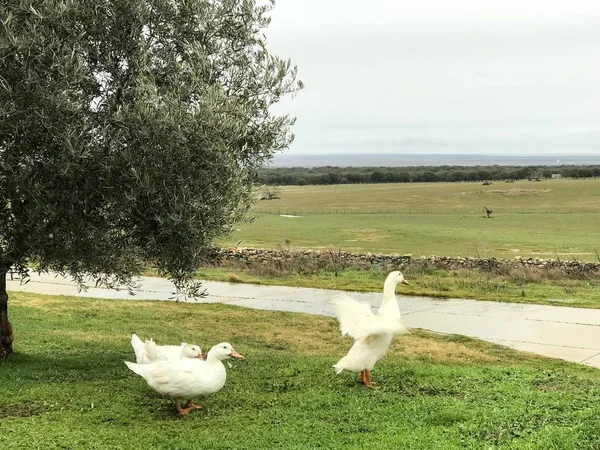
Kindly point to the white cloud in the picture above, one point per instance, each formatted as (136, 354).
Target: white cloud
(442, 76)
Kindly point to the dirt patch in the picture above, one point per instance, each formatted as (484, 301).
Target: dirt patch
(34, 300)
(304, 334)
(510, 192)
(368, 234)
(568, 254)
(92, 336)
(439, 351)
(550, 388)
(22, 410)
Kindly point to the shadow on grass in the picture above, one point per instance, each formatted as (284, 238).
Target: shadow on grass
(65, 367)
(69, 379)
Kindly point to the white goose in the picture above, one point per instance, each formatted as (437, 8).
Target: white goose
(372, 333)
(147, 352)
(186, 379)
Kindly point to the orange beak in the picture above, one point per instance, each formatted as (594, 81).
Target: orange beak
(235, 354)
(405, 282)
(200, 357)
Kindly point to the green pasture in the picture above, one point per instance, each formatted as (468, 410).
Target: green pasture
(548, 196)
(548, 219)
(505, 235)
(66, 387)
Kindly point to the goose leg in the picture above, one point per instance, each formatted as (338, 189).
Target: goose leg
(191, 405)
(363, 377)
(181, 411)
(368, 383)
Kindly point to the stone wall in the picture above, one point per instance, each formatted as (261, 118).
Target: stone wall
(340, 260)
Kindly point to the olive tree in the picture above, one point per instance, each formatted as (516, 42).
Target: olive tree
(130, 133)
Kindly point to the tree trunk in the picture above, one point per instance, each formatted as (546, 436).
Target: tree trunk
(6, 331)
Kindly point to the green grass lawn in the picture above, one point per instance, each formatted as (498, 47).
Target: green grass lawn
(545, 219)
(67, 386)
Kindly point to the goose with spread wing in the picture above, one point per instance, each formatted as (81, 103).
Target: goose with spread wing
(372, 333)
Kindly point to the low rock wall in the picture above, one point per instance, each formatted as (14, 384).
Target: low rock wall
(341, 259)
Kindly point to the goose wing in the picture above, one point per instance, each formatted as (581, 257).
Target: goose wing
(355, 317)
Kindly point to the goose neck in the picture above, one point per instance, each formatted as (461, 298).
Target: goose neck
(389, 290)
(213, 358)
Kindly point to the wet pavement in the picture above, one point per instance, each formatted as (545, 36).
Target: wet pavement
(572, 334)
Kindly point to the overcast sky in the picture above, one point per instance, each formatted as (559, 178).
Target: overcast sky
(442, 76)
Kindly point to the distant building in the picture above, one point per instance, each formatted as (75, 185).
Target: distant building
(556, 175)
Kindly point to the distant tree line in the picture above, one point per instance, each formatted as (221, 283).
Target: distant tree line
(299, 176)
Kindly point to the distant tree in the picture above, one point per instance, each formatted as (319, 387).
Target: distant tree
(269, 192)
(471, 175)
(458, 175)
(313, 179)
(334, 175)
(287, 179)
(403, 177)
(353, 177)
(520, 173)
(570, 172)
(324, 179)
(533, 173)
(443, 175)
(274, 179)
(483, 175)
(334, 178)
(428, 176)
(390, 177)
(377, 177)
(130, 133)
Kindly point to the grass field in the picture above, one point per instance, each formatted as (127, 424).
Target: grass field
(67, 386)
(548, 219)
(548, 196)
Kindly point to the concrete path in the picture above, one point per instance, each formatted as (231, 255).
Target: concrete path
(572, 334)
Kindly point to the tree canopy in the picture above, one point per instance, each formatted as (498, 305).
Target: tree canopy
(419, 174)
(131, 133)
